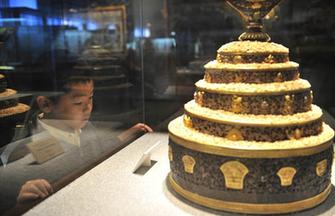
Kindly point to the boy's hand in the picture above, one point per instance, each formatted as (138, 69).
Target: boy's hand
(142, 127)
(34, 189)
(134, 130)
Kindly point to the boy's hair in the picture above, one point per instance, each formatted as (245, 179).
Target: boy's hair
(67, 77)
(63, 86)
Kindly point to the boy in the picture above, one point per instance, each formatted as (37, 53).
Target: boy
(66, 118)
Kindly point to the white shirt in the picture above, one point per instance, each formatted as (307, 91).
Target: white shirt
(69, 137)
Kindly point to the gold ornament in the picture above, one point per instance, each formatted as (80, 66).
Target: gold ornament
(234, 135)
(269, 59)
(321, 167)
(238, 59)
(288, 104)
(238, 78)
(286, 175)
(189, 163)
(296, 134)
(264, 106)
(187, 121)
(219, 59)
(236, 104)
(208, 78)
(306, 99)
(256, 5)
(234, 173)
(199, 96)
(170, 154)
(279, 77)
(222, 58)
(298, 75)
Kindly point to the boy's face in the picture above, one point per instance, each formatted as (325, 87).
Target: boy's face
(74, 108)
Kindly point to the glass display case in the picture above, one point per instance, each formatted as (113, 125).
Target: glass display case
(81, 80)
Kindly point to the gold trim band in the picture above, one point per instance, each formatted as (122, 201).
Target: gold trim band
(255, 70)
(250, 208)
(193, 109)
(251, 153)
(251, 124)
(254, 53)
(215, 65)
(288, 87)
(297, 91)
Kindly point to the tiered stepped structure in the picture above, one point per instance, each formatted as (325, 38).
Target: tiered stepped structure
(251, 141)
(11, 111)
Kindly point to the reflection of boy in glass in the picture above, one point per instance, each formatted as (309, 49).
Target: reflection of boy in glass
(64, 117)
(67, 113)
(73, 108)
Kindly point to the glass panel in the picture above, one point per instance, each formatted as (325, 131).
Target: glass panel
(139, 59)
(71, 91)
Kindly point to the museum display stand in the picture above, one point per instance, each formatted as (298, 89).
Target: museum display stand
(113, 188)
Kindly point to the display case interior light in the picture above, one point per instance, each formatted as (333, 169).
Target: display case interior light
(142, 32)
(24, 20)
(111, 27)
(77, 23)
(31, 20)
(164, 45)
(53, 21)
(23, 3)
(92, 26)
(6, 20)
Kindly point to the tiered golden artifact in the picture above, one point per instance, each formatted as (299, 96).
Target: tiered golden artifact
(10, 109)
(251, 141)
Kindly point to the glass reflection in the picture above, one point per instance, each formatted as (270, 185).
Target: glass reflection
(64, 140)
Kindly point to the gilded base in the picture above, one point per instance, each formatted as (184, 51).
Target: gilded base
(251, 208)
